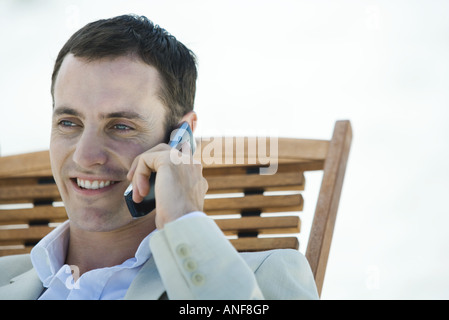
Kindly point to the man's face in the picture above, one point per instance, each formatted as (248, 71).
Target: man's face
(106, 112)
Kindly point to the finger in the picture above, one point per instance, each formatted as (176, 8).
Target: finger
(140, 178)
(132, 169)
(143, 184)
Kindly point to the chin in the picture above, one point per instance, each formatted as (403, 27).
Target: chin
(98, 219)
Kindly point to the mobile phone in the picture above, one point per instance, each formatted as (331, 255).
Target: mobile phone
(179, 136)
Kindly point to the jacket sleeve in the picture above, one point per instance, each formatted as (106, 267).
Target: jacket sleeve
(12, 266)
(196, 261)
(285, 274)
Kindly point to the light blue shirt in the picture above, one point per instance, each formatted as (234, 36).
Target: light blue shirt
(98, 284)
(110, 283)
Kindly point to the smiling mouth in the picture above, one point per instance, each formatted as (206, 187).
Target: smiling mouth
(92, 184)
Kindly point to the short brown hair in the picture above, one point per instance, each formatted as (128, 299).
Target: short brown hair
(132, 34)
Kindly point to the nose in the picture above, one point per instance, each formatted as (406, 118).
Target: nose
(89, 150)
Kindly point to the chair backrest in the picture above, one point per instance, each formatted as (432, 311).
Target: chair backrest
(254, 193)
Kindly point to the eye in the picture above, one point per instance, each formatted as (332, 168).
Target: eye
(122, 127)
(67, 123)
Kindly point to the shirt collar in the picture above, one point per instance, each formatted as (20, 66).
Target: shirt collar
(49, 254)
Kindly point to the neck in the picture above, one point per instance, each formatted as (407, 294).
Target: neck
(90, 250)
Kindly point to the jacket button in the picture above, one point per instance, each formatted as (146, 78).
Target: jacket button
(182, 250)
(190, 265)
(198, 279)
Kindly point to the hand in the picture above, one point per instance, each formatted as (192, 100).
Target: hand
(180, 187)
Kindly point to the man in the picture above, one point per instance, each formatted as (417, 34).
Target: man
(119, 87)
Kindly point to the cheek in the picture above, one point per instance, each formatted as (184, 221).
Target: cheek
(128, 151)
(58, 152)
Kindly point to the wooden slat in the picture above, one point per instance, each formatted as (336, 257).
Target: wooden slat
(301, 164)
(38, 213)
(5, 251)
(18, 181)
(259, 244)
(302, 148)
(34, 164)
(14, 243)
(329, 197)
(284, 166)
(268, 225)
(25, 234)
(240, 183)
(29, 193)
(282, 203)
(245, 150)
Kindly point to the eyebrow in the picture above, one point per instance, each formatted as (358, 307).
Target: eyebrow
(123, 114)
(66, 110)
(119, 114)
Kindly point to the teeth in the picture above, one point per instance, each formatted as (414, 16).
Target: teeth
(88, 184)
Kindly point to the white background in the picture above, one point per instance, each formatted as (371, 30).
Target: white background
(291, 69)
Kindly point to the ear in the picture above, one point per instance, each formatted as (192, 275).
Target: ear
(191, 119)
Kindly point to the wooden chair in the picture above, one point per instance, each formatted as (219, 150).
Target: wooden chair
(238, 197)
